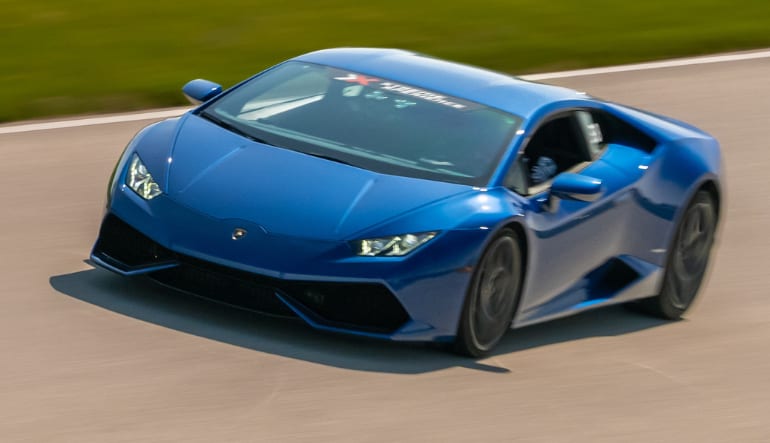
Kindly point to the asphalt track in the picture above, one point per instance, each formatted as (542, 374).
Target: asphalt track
(89, 356)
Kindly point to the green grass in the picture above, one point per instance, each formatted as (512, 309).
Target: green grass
(80, 56)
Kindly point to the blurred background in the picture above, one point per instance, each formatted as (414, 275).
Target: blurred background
(87, 356)
(86, 56)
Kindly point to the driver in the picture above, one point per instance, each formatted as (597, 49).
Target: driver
(543, 170)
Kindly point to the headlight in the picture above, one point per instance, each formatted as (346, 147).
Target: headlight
(140, 180)
(396, 245)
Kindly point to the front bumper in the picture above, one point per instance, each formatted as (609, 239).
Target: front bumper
(414, 298)
(368, 308)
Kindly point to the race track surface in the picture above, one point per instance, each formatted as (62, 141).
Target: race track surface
(90, 356)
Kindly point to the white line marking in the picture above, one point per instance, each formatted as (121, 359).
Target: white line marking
(652, 65)
(120, 118)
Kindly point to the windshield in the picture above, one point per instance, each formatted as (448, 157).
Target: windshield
(368, 122)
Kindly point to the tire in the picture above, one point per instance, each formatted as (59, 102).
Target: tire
(687, 261)
(492, 296)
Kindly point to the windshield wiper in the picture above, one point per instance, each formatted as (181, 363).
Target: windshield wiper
(231, 127)
(328, 157)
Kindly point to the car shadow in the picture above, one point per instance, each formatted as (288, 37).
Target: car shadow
(146, 301)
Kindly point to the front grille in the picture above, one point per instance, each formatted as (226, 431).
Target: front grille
(224, 285)
(359, 306)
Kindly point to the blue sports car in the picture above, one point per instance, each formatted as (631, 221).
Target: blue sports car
(387, 194)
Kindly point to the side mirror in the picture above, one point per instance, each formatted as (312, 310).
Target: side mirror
(199, 90)
(569, 186)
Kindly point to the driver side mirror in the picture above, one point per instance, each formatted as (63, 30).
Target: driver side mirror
(570, 186)
(199, 90)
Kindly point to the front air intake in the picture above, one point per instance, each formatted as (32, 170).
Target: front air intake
(126, 248)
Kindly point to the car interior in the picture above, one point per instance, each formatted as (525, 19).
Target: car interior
(560, 140)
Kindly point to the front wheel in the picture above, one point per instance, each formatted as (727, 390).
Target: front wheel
(687, 261)
(492, 296)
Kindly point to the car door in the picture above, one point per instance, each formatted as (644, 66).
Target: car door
(576, 235)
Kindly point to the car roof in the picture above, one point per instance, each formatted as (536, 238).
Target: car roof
(490, 88)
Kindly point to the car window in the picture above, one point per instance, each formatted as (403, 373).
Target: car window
(299, 90)
(369, 122)
(556, 146)
(614, 130)
(592, 133)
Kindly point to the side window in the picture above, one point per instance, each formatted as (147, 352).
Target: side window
(570, 142)
(592, 134)
(558, 145)
(617, 131)
(516, 179)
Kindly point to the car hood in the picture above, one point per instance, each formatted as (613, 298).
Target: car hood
(226, 176)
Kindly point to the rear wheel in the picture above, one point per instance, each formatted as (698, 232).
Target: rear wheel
(492, 296)
(687, 261)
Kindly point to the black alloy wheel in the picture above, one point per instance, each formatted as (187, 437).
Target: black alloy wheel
(492, 296)
(688, 259)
